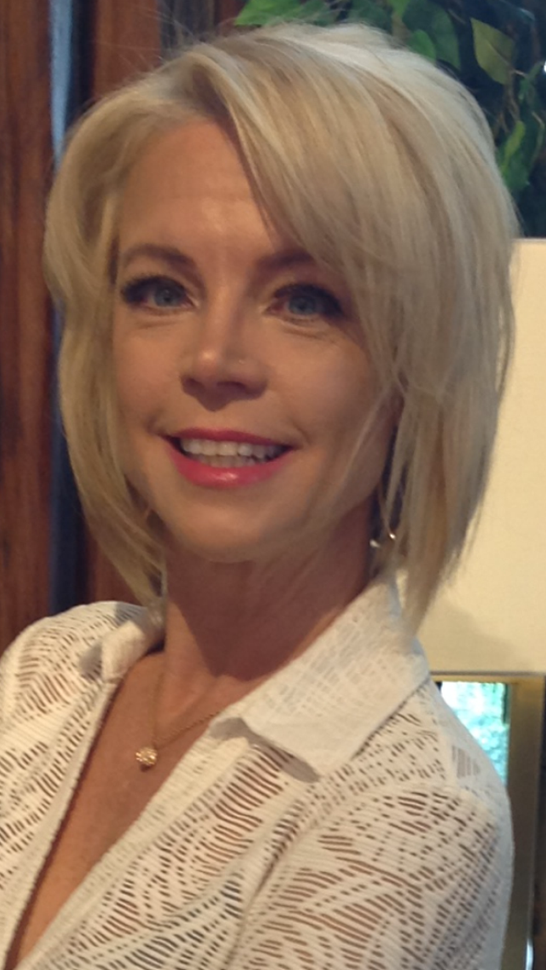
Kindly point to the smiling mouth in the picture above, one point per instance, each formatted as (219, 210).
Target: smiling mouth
(227, 454)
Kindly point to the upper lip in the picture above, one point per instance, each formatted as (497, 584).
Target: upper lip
(225, 434)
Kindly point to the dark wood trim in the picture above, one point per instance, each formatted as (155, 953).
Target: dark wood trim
(125, 42)
(227, 10)
(25, 335)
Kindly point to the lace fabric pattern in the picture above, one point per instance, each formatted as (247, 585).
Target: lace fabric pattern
(338, 818)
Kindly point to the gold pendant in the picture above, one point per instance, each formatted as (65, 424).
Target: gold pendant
(146, 757)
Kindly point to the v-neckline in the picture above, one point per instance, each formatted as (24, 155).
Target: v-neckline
(157, 812)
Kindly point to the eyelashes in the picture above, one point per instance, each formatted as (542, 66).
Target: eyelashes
(154, 293)
(305, 301)
(298, 302)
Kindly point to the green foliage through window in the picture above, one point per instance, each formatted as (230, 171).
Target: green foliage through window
(483, 709)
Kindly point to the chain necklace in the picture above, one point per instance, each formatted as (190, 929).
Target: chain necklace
(148, 755)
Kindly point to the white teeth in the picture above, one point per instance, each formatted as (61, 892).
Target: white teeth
(227, 448)
(245, 449)
(229, 454)
(194, 447)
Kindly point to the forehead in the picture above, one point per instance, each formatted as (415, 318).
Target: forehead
(188, 190)
(195, 164)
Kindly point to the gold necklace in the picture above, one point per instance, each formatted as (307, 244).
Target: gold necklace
(148, 755)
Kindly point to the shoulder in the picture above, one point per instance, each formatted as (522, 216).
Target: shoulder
(413, 827)
(71, 632)
(422, 775)
(407, 854)
(424, 742)
(50, 651)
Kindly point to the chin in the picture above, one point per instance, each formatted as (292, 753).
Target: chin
(219, 545)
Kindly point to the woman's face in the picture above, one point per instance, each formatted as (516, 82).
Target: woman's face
(242, 377)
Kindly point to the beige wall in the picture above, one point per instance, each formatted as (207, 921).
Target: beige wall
(493, 616)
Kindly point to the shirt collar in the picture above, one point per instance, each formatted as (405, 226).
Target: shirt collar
(324, 705)
(113, 654)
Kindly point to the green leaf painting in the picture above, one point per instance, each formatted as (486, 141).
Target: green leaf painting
(372, 13)
(427, 17)
(256, 13)
(501, 61)
(421, 43)
(318, 12)
(517, 155)
(493, 50)
(260, 12)
(399, 7)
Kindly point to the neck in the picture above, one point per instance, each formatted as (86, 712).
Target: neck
(236, 624)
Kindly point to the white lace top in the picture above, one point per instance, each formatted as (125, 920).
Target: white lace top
(337, 818)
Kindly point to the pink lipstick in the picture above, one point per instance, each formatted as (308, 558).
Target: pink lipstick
(223, 458)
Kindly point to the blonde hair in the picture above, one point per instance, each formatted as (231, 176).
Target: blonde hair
(382, 167)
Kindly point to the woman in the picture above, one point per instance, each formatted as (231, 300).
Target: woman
(283, 260)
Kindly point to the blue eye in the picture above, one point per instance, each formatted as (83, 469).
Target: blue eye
(305, 303)
(310, 302)
(154, 293)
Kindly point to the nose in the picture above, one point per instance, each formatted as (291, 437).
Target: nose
(225, 358)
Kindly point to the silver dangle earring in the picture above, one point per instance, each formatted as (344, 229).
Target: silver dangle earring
(382, 533)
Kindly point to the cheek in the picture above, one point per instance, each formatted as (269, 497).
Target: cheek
(355, 430)
(340, 404)
(344, 397)
(139, 389)
(140, 381)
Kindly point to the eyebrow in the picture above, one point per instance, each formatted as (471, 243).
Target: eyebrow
(180, 261)
(166, 254)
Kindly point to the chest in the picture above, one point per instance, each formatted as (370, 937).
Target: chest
(111, 793)
(189, 841)
(98, 817)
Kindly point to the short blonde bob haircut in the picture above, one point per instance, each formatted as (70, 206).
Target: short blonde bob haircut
(382, 167)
